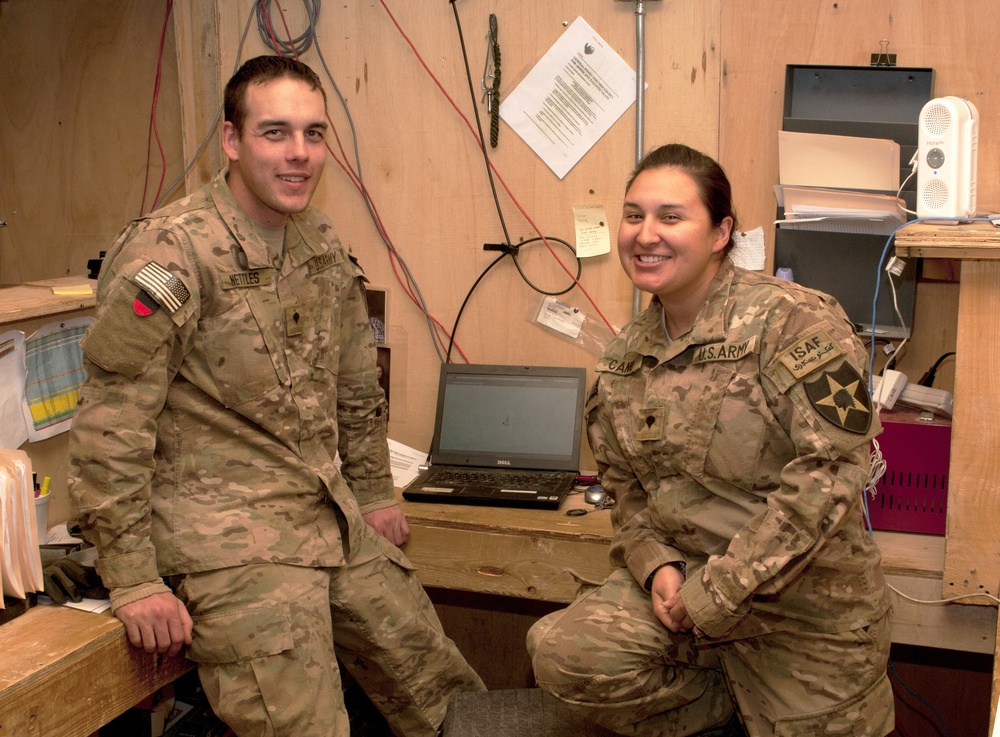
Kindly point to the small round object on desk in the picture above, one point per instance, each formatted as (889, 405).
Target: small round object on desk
(595, 494)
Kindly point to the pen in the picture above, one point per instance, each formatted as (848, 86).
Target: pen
(45, 486)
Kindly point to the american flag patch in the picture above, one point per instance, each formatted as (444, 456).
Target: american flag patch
(162, 286)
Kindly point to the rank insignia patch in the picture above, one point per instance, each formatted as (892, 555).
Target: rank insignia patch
(841, 397)
(166, 289)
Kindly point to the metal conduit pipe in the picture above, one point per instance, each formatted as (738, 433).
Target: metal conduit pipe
(640, 85)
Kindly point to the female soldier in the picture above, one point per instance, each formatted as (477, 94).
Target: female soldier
(731, 424)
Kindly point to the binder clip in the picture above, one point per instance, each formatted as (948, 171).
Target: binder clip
(883, 58)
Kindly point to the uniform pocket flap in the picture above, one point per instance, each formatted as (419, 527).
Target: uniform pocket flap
(244, 634)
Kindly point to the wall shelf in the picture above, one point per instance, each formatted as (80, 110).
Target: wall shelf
(41, 298)
(975, 241)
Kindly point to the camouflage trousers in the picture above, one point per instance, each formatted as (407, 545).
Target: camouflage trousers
(607, 656)
(267, 637)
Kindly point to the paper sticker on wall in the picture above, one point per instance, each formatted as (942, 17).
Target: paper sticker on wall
(748, 249)
(593, 237)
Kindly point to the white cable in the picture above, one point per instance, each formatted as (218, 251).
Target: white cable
(876, 469)
(899, 315)
(944, 601)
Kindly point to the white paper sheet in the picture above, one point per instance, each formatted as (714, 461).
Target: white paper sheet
(575, 93)
(13, 431)
(405, 462)
(748, 249)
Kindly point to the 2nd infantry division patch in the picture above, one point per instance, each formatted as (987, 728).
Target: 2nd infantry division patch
(841, 397)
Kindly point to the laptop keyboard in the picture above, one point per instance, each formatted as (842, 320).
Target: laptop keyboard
(540, 480)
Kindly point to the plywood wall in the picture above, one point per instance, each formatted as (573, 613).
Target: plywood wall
(76, 90)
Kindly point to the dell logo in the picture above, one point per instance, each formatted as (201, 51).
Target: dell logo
(502, 462)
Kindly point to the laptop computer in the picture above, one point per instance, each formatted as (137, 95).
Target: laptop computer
(504, 436)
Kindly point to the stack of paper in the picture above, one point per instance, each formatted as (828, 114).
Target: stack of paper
(825, 179)
(20, 562)
(839, 210)
(842, 162)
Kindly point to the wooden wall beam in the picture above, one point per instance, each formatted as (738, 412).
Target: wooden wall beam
(197, 31)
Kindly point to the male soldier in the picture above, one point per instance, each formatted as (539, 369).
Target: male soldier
(230, 360)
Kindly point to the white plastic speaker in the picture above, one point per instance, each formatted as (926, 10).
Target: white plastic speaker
(947, 153)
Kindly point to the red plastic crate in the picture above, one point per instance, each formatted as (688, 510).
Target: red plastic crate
(913, 494)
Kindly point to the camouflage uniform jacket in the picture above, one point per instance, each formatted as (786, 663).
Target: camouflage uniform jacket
(742, 449)
(223, 380)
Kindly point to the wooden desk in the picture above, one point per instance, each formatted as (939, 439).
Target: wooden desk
(540, 555)
(37, 299)
(66, 673)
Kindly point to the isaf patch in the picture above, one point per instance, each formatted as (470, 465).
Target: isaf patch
(841, 398)
(166, 289)
(810, 353)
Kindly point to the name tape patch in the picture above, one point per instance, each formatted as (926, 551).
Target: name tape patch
(245, 279)
(623, 365)
(725, 351)
(324, 261)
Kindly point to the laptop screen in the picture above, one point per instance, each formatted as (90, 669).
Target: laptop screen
(509, 416)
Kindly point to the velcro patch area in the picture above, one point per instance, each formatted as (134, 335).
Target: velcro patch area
(841, 398)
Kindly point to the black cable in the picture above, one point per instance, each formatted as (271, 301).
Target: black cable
(579, 265)
(468, 296)
(479, 125)
(507, 248)
(512, 252)
(928, 378)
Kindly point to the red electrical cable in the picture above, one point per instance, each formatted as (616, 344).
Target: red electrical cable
(153, 130)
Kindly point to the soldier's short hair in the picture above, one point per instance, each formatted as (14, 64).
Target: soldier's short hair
(259, 70)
